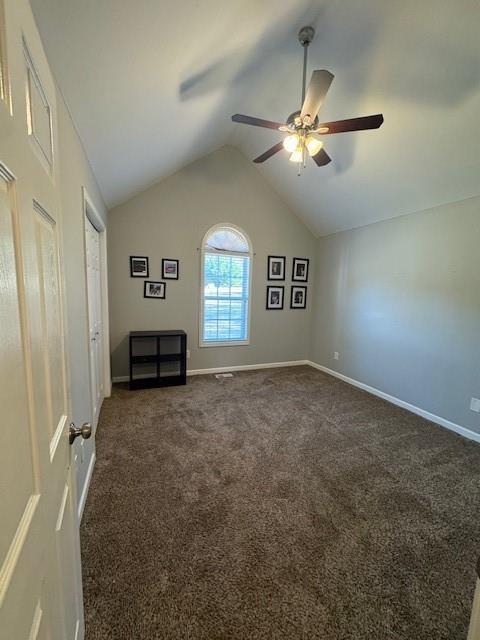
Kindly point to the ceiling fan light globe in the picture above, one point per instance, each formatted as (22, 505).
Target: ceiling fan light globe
(313, 145)
(297, 156)
(291, 142)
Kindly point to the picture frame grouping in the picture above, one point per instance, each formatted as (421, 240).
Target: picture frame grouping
(139, 268)
(276, 269)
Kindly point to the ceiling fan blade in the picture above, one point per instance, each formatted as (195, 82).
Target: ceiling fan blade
(270, 152)
(317, 90)
(353, 124)
(321, 158)
(257, 122)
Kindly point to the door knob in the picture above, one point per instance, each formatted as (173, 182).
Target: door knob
(85, 431)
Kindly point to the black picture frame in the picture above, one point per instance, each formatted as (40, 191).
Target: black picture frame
(294, 303)
(134, 272)
(269, 303)
(148, 294)
(165, 274)
(298, 263)
(272, 263)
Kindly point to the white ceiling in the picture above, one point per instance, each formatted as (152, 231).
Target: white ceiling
(152, 85)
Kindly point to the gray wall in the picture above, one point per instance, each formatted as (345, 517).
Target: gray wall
(169, 220)
(400, 301)
(75, 172)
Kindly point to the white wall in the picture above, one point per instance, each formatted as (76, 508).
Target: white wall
(169, 220)
(400, 302)
(75, 173)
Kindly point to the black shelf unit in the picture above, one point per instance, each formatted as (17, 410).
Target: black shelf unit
(158, 358)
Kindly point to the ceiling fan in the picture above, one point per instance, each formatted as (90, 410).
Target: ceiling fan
(303, 127)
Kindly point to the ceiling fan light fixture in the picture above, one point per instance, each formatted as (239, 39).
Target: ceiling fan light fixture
(302, 126)
(313, 145)
(291, 142)
(297, 155)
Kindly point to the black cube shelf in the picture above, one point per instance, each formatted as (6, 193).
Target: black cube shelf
(158, 358)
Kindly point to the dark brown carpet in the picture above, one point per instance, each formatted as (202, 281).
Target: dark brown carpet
(277, 504)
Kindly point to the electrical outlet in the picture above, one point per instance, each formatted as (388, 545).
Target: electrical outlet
(475, 404)
(335, 355)
(188, 354)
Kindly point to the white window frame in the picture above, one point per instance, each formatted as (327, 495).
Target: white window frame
(203, 251)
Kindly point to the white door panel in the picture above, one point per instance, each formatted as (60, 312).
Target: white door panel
(51, 313)
(13, 383)
(40, 573)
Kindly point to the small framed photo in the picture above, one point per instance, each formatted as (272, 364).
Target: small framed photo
(138, 267)
(276, 268)
(154, 289)
(300, 270)
(298, 297)
(169, 269)
(275, 297)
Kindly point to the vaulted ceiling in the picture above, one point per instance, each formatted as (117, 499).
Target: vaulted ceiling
(152, 85)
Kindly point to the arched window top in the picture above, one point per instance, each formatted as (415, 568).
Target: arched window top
(226, 238)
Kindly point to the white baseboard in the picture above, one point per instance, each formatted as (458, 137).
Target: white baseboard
(86, 484)
(443, 422)
(240, 367)
(247, 367)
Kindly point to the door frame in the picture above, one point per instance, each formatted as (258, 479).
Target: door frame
(90, 212)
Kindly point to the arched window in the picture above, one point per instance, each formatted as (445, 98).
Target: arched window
(225, 287)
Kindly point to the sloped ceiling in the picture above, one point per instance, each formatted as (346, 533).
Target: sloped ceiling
(152, 85)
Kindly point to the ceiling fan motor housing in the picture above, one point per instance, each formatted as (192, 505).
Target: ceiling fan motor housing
(294, 122)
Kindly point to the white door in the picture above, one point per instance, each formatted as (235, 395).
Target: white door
(92, 245)
(40, 572)
(474, 630)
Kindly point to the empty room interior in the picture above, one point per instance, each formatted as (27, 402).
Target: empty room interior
(240, 320)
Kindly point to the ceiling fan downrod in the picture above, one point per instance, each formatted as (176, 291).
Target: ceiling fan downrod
(305, 36)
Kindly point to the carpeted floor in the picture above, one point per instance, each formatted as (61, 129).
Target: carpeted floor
(277, 504)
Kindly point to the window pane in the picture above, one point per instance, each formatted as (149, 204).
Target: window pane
(225, 297)
(227, 239)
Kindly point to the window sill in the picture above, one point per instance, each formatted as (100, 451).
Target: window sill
(231, 343)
